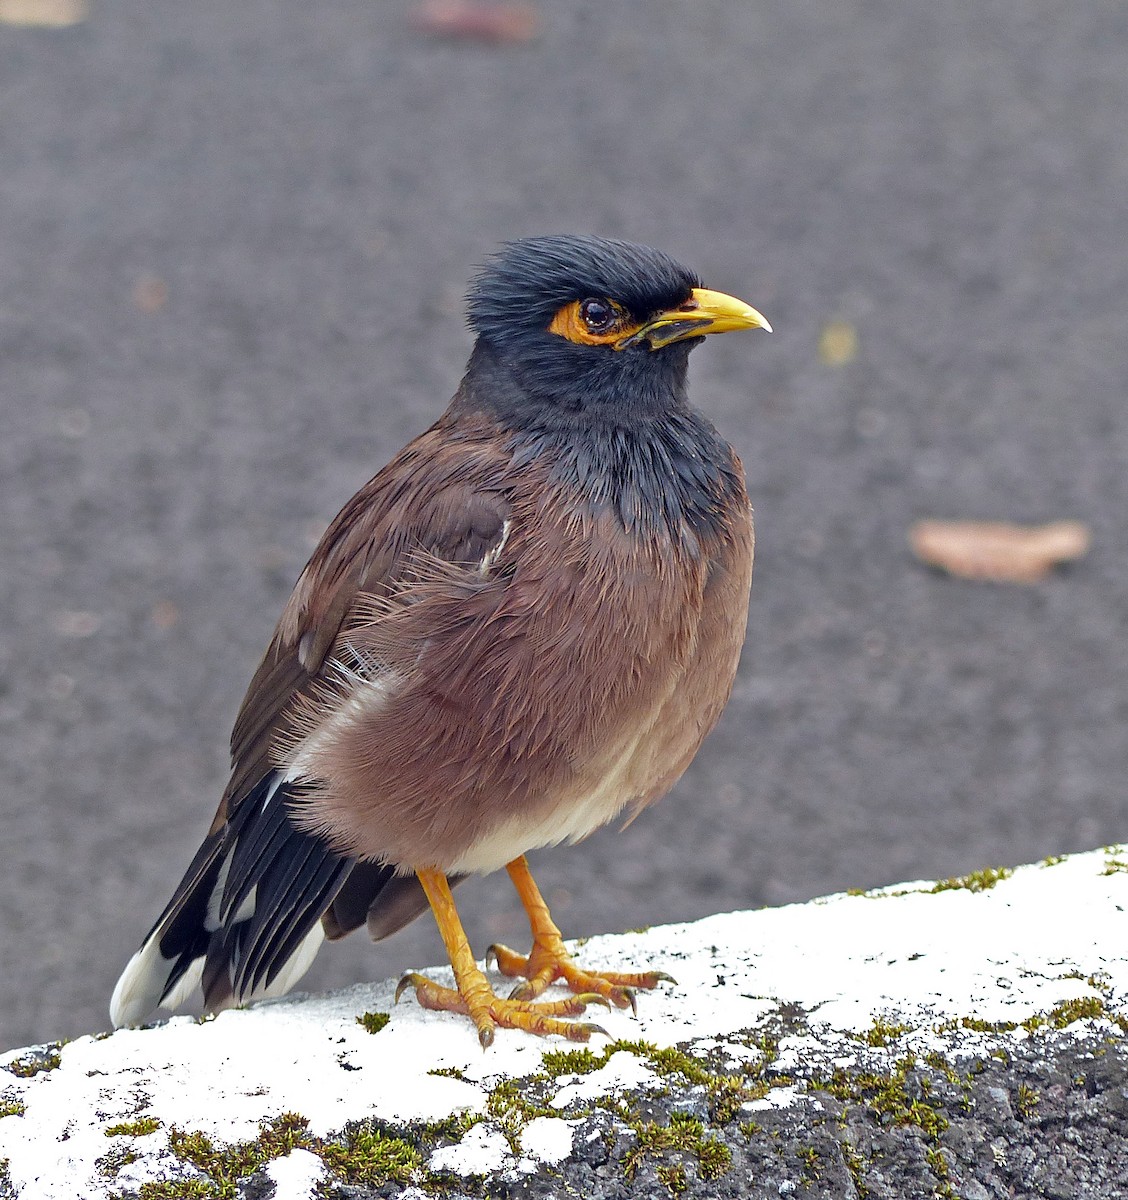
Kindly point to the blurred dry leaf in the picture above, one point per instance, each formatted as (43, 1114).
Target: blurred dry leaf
(150, 292)
(165, 614)
(838, 343)
(997, 550)
(43, 14)
(478, 22)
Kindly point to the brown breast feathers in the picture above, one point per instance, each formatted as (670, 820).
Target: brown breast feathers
(461, 602)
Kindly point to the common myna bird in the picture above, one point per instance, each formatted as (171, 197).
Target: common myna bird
(521, 628)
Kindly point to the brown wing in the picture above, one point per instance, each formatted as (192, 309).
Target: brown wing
(444, 498)
(245, 918)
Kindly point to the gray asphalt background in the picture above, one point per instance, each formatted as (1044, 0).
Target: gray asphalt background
(313, 184)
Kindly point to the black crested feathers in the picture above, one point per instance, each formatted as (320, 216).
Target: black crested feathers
(521, 288)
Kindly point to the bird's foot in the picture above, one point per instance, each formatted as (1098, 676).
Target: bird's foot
(549, 961)
(476, 999)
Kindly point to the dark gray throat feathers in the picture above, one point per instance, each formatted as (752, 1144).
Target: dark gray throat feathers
(659, 466)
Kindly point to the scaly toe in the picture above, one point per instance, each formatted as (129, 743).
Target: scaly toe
(530, 989)
(432, 995)
(411, 979)
(624, 997)
(507, 961)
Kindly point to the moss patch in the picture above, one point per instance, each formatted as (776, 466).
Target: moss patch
(1084, 1008)
(684, 1137)
(726, 1090)
(371, 1157)
(37, 1060)
(572, 1062)
(883, 1032)
(976, 881)
(901, 1096)
(137, 1128)
(374, 1021)
(221, 1167)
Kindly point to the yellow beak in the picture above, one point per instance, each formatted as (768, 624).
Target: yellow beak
(704, 312)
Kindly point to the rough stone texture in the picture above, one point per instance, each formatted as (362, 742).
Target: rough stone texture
(1066, 1140)
(1071, 1145)
(963, 1039)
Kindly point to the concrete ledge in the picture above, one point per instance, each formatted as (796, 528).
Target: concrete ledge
(958, 1039)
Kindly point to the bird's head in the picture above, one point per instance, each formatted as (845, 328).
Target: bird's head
(593, 325)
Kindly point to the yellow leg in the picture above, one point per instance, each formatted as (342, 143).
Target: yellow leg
(474, 997)
(549, 960)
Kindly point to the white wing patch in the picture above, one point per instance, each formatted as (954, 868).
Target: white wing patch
(494, 552)
(368, 686)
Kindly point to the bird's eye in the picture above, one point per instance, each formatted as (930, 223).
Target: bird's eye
(591, 322)
(598, 315)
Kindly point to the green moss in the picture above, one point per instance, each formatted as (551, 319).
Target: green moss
(1084, 1008)
(888, 1096)
(510, 1104)
(938, 1165)
(449, 1129)
(111, 1163)
(1026, 1101)
(138, 1128)
(371, 1157)
(726, 1092)
(11, 1107)
(1114, 865)
(225, 1166)
(684, 1135)
(1054, 860)
(176, 1189)
(573, 1062)
(448, 1073)
(673, 1176)
(374, 1021)
(976, 881)
(856, 1166)
(809, 1157)
(42, 1058)
(900, 1096)
(883, 1032)
(976, 1025)
(941, 1066)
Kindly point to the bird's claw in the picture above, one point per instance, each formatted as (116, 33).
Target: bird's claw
(411, 980)
(523, 993)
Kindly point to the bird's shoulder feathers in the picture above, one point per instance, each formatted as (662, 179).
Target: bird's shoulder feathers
(441, 500)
